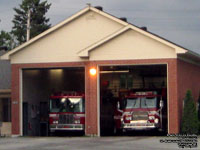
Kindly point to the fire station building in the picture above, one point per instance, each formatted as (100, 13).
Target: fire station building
(88, 52)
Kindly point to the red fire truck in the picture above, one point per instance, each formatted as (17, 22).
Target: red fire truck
(139, 111)
(67, 112)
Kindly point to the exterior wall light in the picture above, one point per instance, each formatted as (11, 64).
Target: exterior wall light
(93, 71)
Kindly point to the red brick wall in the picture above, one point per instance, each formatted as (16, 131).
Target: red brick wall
(91, 90)
(15, 100)
(188, 79)
(91, 100)
(173, 108)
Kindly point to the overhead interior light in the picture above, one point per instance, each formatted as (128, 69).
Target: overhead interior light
(117, 71)
(55, 72)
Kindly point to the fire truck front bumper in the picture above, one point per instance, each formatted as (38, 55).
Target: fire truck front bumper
(67, 127)
(138, 125)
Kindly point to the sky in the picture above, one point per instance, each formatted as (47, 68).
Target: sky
(175, 20)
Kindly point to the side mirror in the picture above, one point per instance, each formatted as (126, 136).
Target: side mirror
(118, 105)
(161, 103)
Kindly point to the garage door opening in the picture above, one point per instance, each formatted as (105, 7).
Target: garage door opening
(53, 99)
(133, 98)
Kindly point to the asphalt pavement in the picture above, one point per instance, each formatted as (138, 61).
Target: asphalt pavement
(91, 143)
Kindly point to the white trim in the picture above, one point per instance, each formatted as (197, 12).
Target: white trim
(21, 100)
(85, 73)
(178, 49)
(139, 64)
(76, 15)
(98, 102)
(109, 16)
(7, 55)
(21, 91)
(85, 52)
(167, 98)
(15, 135)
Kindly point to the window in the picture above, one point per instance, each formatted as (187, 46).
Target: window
(5, 110)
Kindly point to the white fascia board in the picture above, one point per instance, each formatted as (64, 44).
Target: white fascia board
(109, 16)
(177, 48)
(8, 54)
(4, 57)
(85, 52)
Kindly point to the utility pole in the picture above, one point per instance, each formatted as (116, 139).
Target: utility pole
(28, 25)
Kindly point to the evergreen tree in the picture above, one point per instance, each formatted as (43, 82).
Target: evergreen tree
(6, 40)
(190, 122)
(38, 21)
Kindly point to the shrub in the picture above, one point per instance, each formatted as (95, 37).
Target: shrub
(190, 123)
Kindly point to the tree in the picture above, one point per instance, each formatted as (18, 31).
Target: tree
(38, 21)
(6, 40)
(190, 123)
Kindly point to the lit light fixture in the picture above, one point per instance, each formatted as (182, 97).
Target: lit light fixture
(63, 100)
(115, 71)
(93, 71)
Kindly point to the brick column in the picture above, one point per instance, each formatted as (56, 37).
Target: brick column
(173, 103)
(91, 122)
(15, 105)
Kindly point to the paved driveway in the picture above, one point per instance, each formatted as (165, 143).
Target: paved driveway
(87, 143)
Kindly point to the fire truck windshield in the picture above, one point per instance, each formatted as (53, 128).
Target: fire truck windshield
(67, 105)
(148, 102)
(133, 103)
(141, 102)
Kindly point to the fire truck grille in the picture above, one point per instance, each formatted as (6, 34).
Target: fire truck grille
(140, 115)
(66, 119)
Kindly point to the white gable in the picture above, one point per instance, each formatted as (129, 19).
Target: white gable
(132, 45)
(92, 34)
(63, 44)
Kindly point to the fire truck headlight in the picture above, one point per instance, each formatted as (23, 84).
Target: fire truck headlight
(128, 118)
(122, 119)
(156, 120)
(55, 122)
(151, 117)
(77, 121)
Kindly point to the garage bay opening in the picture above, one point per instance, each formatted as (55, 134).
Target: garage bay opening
(53, 101)
(133, 98)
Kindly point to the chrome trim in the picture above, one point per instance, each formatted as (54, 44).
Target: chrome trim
(77, 127)
(67, 129)
(136, 127)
